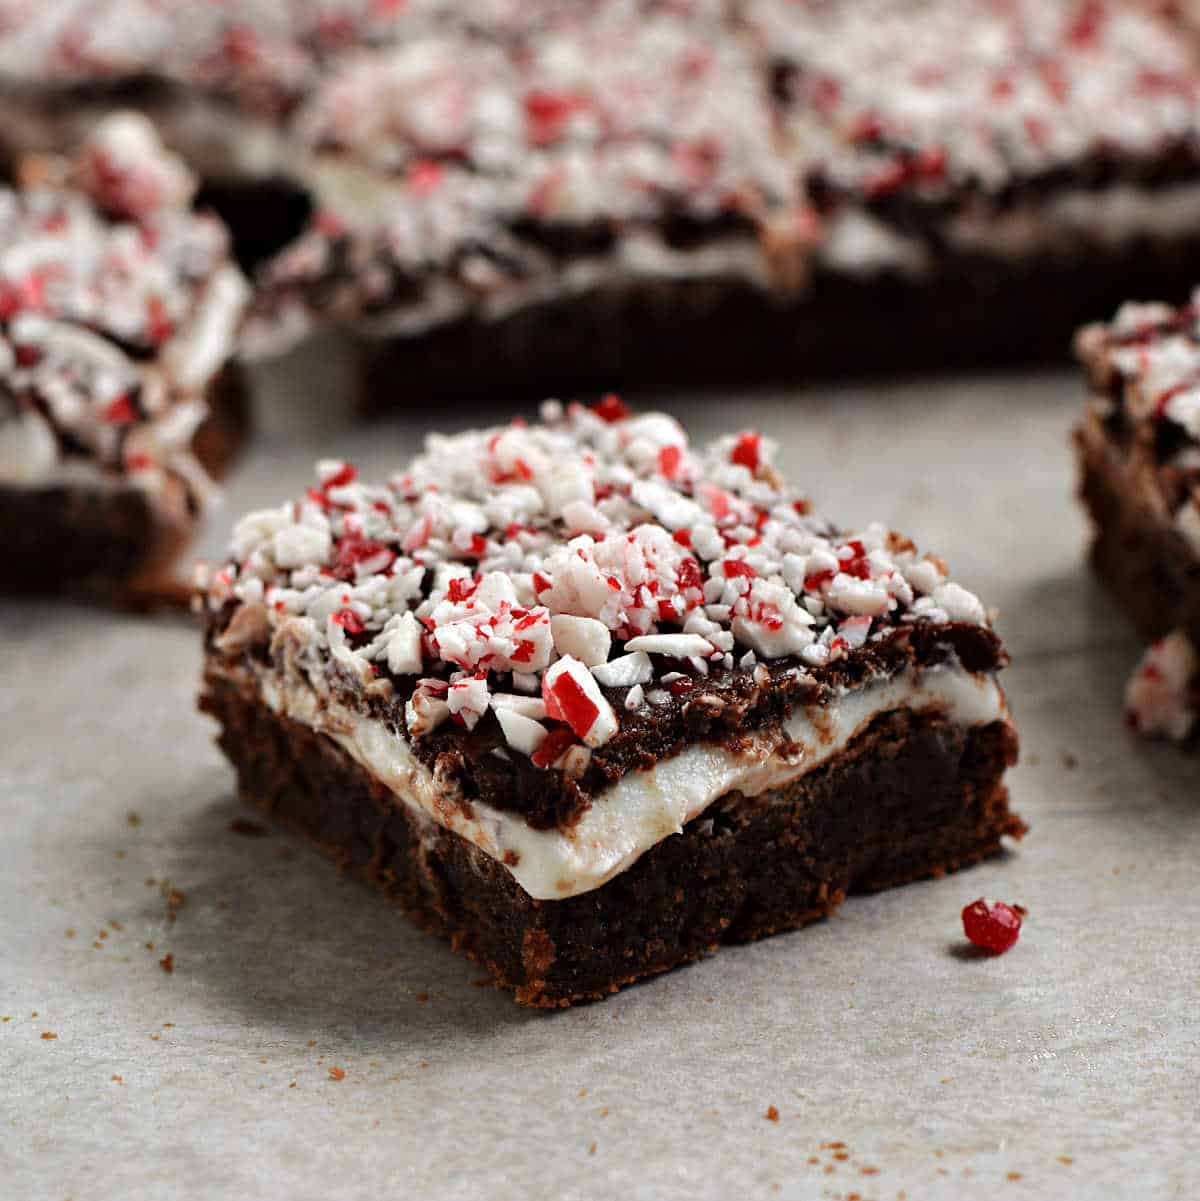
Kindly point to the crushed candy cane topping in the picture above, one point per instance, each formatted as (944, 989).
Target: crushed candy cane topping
(1144, 371)
(1162, 699)
(117, 306)
(565, 573)
(885, 96)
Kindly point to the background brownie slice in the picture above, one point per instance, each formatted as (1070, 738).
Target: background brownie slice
(1139, 454)
(118, 313)
(499, 683)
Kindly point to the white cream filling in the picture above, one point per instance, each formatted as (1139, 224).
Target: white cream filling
(1110, 216)
(643, 807)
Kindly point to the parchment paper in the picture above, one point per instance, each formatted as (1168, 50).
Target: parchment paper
(900, 1066)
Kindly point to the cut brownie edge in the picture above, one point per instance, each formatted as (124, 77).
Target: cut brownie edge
(106, 538)
(973, 311)
(914, 795)
(1138, 552)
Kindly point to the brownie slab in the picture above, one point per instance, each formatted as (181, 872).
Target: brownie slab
(553, 659)
(1138, 447)
(685, 197)
(119, 403)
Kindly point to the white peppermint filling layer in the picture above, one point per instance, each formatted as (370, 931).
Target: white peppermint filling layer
(643, 807)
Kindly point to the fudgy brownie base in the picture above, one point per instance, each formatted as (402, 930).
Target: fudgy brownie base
(1143, 559)
(913, 796)
(971, 311)
(109, 541)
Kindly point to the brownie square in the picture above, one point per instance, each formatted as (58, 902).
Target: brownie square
(590, 701)
(119, 403)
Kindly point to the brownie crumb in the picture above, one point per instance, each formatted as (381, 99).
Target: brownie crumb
(772, 1114)
(47, 1035)
(336, 1073)
(167, 962)
(242, 825)
(1066, 1160)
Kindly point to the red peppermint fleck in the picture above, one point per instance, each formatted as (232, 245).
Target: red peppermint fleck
(424, 176)
(354, 549)
(610, 407)
(931, 164)
(349, 621)
(541, 583)
(718, 503)
(1152, 81)
(1085, 25)
(553, 745)
(460, 589)
(159, 326)
(418, 534)
(683, 537)
(546, 113)
(689, 575)
(328, 224)
(666, 611)
(867, 127)
(524, 651)
(346, 474)
(27, 356)
(241, 45)
(680, 685)
(138, 461)
(120, 411)
(668, 461)
(1055, 79)
(746, 450)
(994, 927)
(737, 567)
(566, 701)
(12, 299)
(697, 159)
(825, 93)
(856, 564)
(1036, 131)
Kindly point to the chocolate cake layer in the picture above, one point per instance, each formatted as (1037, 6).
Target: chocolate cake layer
(970, 312)
(911, 797)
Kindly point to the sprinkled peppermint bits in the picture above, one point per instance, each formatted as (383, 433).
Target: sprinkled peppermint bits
(118, 305)
(995, 927)
(562, 575)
